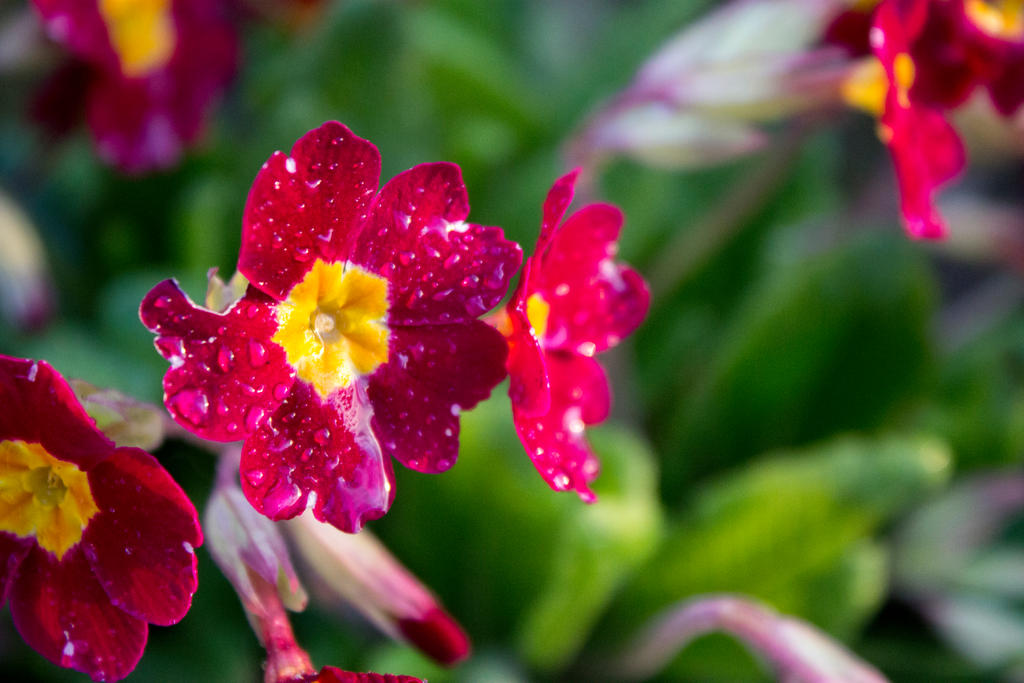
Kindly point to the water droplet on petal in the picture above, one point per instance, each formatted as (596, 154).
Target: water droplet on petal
(225, 357)
(192, 405)
(281, 391)
(254, 417)
(257, 353)
(322, 436)
(254, 477)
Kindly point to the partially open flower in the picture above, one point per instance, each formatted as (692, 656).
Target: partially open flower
(96, 541)
(357, 340)
(573, 301)
(152, 69)
(361, 571)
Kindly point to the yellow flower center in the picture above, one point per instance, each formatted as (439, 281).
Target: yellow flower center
(867, 85)
(142, 33)
(537, 312)
(999, 18)
(332, 325)
(43, 497)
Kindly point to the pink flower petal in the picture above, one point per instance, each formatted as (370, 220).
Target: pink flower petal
(312, 446)
(226, 374)
(529, 388)
(40, 407)
(926, 150)
(595, 302)
(555, 442)
(141, 545)
(80, 26)
(306, 206)
(332, 674)
(555, 205)
(432, 374)
(440, 269)
(12, 551)
(62, 612)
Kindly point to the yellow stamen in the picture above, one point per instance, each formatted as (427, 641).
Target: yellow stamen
(142, 33)
(332, 325)
(537, 312)
(43, 497)
(867, 85)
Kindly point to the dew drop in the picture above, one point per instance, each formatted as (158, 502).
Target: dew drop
(289, 165)
(192, 405)
(162, 302)
(254, 477)
(254, 417)
(322, 436)
(281, 391)
(225, 358)
(406, 257)
(258, 354)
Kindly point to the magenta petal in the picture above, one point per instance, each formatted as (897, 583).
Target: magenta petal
(80, 26)
(529, 388)
(440, 269)
(141, 545)
(12, 551)
(306, 206)
(226, 374)
(595, 302)
(433, 373)
(324, 448)
(555, 442)
(332, 674)
(40, 407)
(555, 205)
(64, 614)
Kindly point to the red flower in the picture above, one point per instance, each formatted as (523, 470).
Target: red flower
(95, 540)
(153, 67)
(332, 674)
(572, 302)
(357, 340)
(925, 148)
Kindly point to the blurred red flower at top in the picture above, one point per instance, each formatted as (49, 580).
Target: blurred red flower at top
(96, 542)
(572, 302)
(357, 340)
(148, 71)
(332, 674)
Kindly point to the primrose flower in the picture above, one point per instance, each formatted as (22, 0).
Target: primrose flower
(572, 302)
(96, 541)
(332, 674)
(151, 70)
(357, 340)
(925, 149)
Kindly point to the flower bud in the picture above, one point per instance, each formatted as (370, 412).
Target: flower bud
(26, 293)
(361, 571)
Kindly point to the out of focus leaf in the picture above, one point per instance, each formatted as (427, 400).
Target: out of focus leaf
(979, 405)
(783, 528)
(600, 545)
(839, 342)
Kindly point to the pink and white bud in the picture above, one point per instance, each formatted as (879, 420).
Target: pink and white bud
(704, 95)
(246, 545)
(125, 420)
(799, 652)
(362, 572)
(26, 292)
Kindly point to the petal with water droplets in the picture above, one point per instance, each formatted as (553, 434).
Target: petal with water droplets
(61, 610)
(306, 206)
(433, 372)
(141, 545)
(595, 301)
(222, 365)
(440, 269)
(319, 447)
(556, 442)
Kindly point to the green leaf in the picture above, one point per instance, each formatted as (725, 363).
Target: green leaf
(840, 342)
(600, 545)
(787, 530)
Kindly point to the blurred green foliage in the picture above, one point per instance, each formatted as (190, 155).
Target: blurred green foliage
(788, 401)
